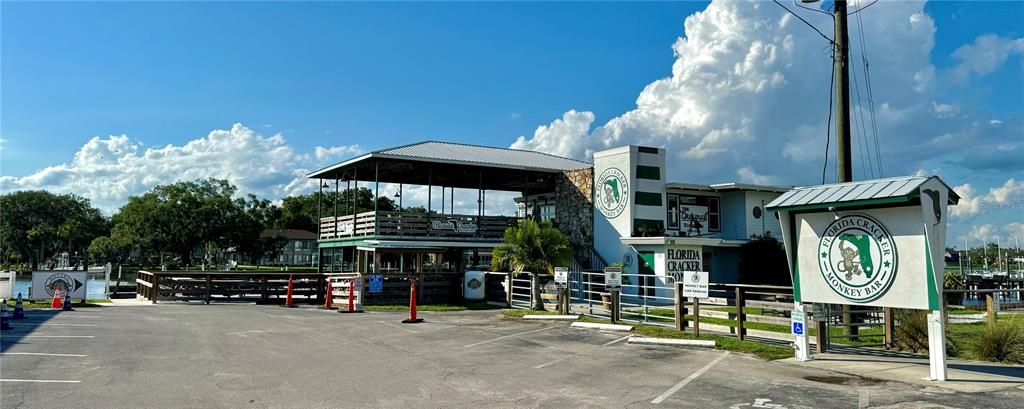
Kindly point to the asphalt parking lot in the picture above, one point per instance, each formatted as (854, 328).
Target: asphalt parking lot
(234, 356)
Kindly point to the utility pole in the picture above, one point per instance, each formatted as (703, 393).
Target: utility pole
(841, 65)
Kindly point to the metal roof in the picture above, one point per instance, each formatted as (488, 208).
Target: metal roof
(464, 154)
(723, 187)
(854, 193)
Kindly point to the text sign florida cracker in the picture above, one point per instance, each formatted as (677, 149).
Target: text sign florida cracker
(875, 242)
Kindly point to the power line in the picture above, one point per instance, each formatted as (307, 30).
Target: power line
(863, 142)
(805, 22)
(862, 8)
(828, 128)
(812, 9)
(869, 89)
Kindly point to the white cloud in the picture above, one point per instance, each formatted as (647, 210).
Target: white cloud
(979, 233)
(563, 137)
(945, 110)
(1008, 196)
(109, 170)
(985, 55)
(1014, 230)
(336, 152)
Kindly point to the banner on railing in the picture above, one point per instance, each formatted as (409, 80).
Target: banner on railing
(454, 225)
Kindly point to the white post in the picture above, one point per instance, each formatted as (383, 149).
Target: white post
(936, 346)
(106, 281)
(802, 344)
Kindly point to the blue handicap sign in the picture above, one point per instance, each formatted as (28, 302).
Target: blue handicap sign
(376, 283)
(798, 328)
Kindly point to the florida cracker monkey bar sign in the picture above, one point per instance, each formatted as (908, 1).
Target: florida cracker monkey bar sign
(875, 242)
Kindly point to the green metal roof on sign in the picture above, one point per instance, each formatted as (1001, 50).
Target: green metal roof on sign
(859, 193)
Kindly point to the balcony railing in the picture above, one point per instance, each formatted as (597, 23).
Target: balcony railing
(399, 224)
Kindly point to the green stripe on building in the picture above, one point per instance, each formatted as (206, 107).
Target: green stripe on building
(648, 199)
(648, 172)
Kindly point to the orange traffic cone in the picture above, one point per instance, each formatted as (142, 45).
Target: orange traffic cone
(288, 298)
(412, 305)
(329, 299)
(58, 301)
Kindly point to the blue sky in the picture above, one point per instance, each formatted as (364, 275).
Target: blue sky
(333, 79)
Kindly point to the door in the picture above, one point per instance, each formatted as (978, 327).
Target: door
(645, 274)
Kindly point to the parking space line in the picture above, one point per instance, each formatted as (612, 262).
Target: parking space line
(681, 384)
(43, 354)
(32, 318)
(617, 340)
(507, 336)
(39, 380)
(71, 325)
(405, 328)
(549, 363)
(59, 336)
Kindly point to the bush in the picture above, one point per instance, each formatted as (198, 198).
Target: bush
(911, 332)
(1003, 342)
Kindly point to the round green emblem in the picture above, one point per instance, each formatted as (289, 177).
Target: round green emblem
(857, 257)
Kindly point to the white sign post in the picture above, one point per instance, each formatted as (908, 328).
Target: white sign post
(876, 243)
(802, 344)
(695, 284)
(613, 277)
(561, 276)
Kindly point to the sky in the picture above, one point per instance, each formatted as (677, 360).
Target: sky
(107, 100)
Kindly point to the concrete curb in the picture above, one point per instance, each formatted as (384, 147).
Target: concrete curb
(609, 327)
(700, 343)
(552, 317)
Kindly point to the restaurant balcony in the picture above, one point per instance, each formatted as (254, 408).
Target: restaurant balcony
(393, 224)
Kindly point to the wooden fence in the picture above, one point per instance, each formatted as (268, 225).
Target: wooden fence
(210, 286)
(403, 224)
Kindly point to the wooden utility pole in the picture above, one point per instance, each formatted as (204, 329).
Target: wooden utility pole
(841, 65)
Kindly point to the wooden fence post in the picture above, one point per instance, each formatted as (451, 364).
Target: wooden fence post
(614, 293)
(156, 288)
(508, 289)
(990, 309)
(209, 283)
(740, 316)
(696, 316)
(890, 327)
(680, 304)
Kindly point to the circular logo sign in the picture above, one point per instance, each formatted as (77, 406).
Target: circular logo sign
(858, 258)
(695, 277)
(612, 192)
(474, 283)
(59, 281)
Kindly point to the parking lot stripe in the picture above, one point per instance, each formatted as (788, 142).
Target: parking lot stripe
(43, 354)
(617, 340)
(59, 336)
(404, 328)
(549, 363)
(688, 379)
(72, 325)
(507, 336)
(38, 380)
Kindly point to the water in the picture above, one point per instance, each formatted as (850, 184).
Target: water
(94, 287)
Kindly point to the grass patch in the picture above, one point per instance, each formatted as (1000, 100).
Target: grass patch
(761, 350)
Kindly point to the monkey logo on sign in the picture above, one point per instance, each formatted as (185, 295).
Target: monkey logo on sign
(63, 282)
(858, 258)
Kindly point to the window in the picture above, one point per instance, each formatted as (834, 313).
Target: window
(673, 212)
(714, 214)
(547, 212)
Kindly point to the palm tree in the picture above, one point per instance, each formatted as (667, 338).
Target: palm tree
(532, 247)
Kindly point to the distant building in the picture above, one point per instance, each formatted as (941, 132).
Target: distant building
(299, 249)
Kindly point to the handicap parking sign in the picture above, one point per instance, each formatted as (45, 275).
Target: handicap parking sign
(376, 283)
(798, 328)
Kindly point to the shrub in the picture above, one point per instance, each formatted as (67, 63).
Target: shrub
(1003, 342)
(911, 332)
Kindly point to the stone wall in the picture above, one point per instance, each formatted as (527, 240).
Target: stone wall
(574, 209)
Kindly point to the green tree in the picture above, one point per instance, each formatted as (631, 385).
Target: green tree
(36, 224)
(533, 247)
(300, 212)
